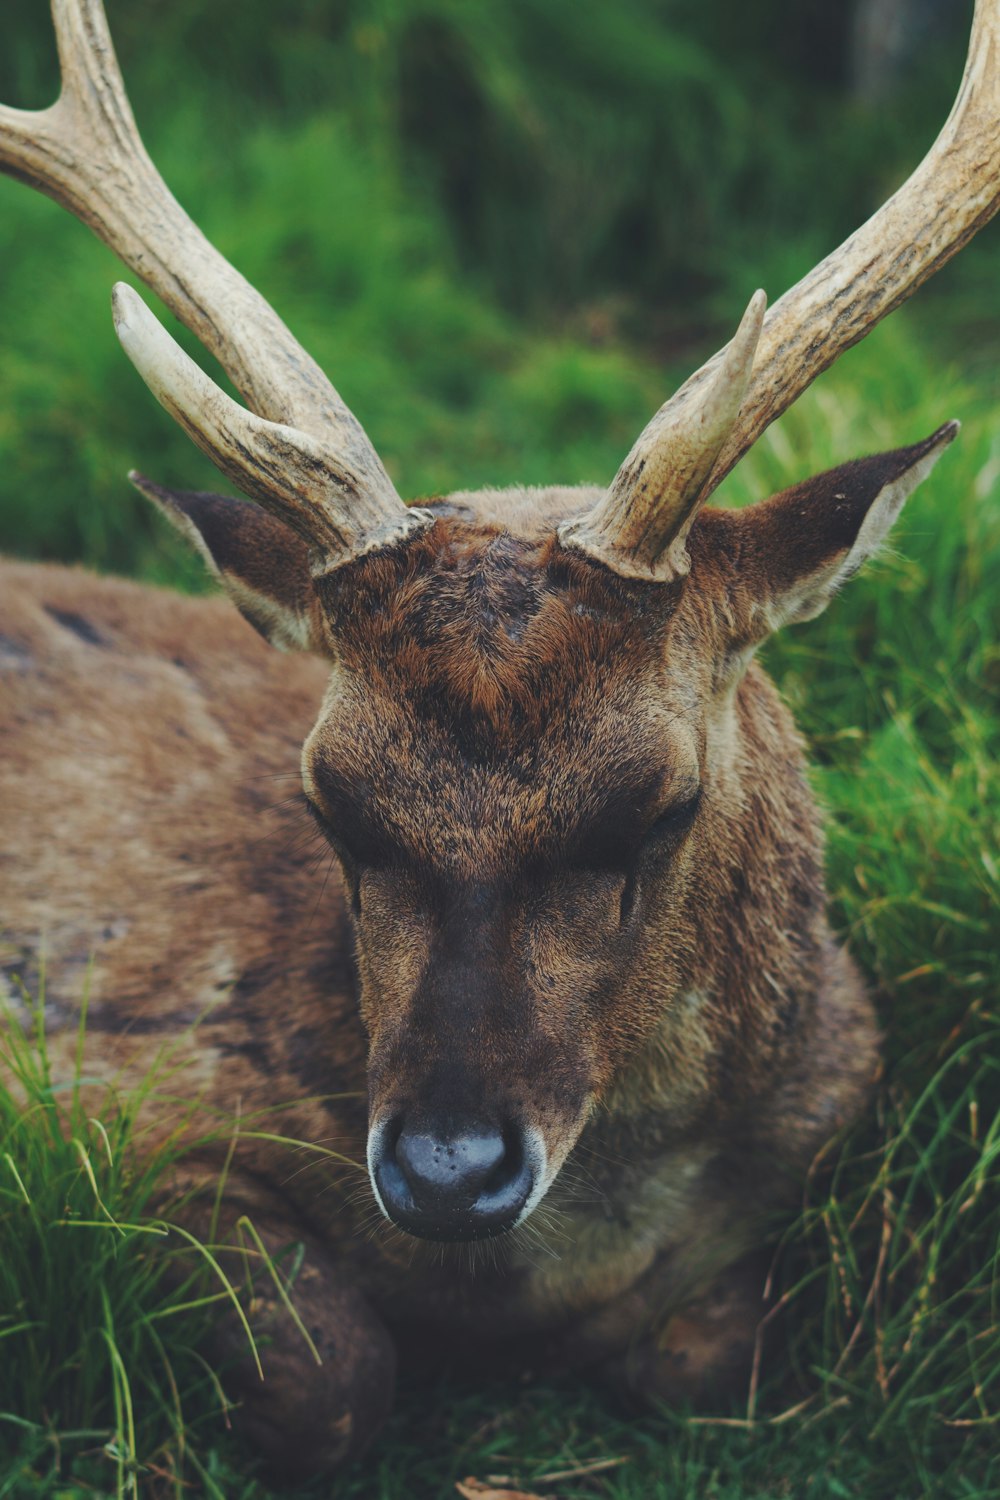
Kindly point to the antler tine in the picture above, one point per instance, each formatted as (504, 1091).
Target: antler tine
(951, 195)
(85, 152)
(640, 525)
(287, 470)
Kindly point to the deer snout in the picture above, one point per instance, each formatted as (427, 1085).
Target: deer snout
(456, 1181)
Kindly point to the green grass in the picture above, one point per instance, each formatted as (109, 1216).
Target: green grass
(654, 155)
(107, 1296)
(407, 173)
(91, 1274)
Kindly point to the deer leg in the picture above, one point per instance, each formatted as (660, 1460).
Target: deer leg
(702, 1352)
(326, 1375)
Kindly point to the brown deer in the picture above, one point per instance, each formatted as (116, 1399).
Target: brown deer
(578, 925)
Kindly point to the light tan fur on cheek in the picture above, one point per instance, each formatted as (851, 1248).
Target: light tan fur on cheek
(722, 744)
(393, 945)
(337, 693)
(669, 1075)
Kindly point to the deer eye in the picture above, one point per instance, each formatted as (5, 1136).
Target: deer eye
(674, 820)
(358, 847)
(333, 836)
(317, 816)
(343, 851)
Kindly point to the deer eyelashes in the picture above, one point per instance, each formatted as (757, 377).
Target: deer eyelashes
(616, 846)
(674, 820)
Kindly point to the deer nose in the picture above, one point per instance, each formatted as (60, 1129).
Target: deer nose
(452, 1183)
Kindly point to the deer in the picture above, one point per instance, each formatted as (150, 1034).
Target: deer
(575, 930)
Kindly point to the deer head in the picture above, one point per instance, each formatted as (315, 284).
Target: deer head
(534, 759)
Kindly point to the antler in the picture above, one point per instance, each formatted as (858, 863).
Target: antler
(85, 152)
(638, 527)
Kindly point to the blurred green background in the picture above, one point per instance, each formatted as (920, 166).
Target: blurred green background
(508, 232)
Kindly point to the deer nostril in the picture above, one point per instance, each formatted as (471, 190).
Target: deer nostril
(452, 1183)
(460, 1166)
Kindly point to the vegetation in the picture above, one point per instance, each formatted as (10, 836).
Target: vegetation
(103, 1301)
(507, 237)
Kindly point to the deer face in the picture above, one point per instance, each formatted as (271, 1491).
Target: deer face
(511, 774)
(529, 766)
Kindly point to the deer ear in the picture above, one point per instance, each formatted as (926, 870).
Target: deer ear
(791, 554)
(262, 565)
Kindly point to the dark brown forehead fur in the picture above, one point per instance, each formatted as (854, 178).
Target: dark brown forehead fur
(479, 624)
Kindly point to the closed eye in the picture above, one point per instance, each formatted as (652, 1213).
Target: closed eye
(358, 846)
(334, 838)
(350, 864)
(615, 846)
(672, 824)
(674, 820)
(316, 816)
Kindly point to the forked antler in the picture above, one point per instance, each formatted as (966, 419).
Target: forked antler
(639, 526)
(299, 450)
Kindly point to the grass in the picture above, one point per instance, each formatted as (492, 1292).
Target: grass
(656, 153)
(107, 1296)
(881, 1374)
(90, 1372)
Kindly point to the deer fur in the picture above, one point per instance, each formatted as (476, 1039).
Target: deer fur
(509, 881)
(495, 702)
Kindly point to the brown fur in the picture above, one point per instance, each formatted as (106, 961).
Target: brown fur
(503, 721)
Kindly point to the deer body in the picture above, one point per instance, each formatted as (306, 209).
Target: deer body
(194, 919)
(554, 965)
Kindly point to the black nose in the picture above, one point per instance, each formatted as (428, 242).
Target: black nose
(452, 1183)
